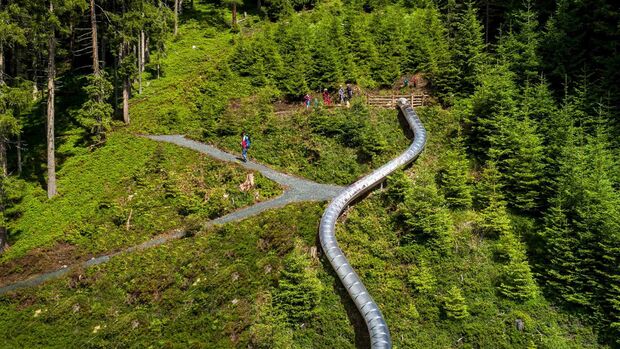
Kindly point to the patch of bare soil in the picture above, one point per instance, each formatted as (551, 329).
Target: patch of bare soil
(39, 261)
(283, 108)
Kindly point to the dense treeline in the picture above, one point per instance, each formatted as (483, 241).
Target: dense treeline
(538, 104)
(79, 55)
(534, 87)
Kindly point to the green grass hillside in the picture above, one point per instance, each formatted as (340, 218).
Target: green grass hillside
(444, 254)
(201, 97)
(120, 195)
(256, 283)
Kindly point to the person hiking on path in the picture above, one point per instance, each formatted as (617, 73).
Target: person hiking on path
(245, 145)
(341, 95)
(307, 100)
(415, 81)
(326, 99)
(349, 92)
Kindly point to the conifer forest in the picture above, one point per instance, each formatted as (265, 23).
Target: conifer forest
(310, 174)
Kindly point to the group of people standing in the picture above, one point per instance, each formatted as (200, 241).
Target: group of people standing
(344, 97)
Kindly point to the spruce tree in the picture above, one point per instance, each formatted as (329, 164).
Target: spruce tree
(11, 32)
(454, 304)
(291, 38)
(428, 51)
(523, 166)
(421, 278)
(398, 187)
(454, 179)
(95, 116)
(299, 290)
(517, 281)
(581, 228)
(518, 47)
(387, 30)
(363, 51)
(468, 48)
(424, 215)
(489, 186)
(490, 112)
(493, 219)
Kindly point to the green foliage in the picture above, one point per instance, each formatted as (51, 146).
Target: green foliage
(494, 219)
(454, 179)
(517, 281)
(421, 278)
(388, 34)
(14, 101)
(454, 304)
(489, 110)
(468, 48)
(217, 83)
(270, 329)
(370, 49)
(518, 48)
(298, 292)
(399, 185)
(424, 215)
(325, 65)
(95, 116)
(156, 185)
(581, 228)
(11, 33)
(523, 166)
(501, 129)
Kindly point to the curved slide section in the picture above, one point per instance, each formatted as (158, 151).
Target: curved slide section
(377, 327)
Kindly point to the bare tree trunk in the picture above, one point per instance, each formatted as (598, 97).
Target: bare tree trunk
(1, 64)
(486, 26)
(126, 101)
(19, 153)
(102, 51)
(93, 28)
(147, 52)
(16, 67)
(51, 75)
(234, 14)
(117, 63)
(140, 61)
(3, 161)
(258, 4)
(4, 236)
(176, 17)
(139, 67)
(95, 49)
(126, 86)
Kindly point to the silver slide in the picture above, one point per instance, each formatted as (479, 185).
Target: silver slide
(377, 327)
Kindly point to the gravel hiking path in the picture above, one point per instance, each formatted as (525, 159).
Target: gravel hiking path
(295, 190)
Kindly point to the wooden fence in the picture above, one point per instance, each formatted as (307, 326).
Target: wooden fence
(390, 101)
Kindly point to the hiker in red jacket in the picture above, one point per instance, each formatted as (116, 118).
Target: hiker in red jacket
(326, 99)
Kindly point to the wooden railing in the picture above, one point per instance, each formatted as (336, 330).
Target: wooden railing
(415, 100)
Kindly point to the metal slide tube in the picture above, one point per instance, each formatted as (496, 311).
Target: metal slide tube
(377, 327)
